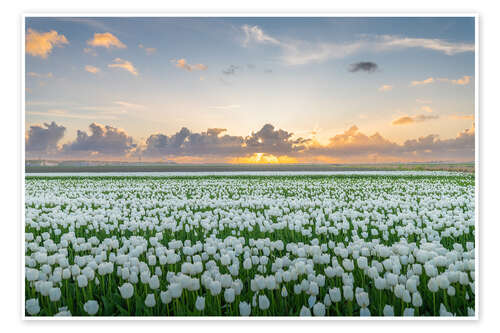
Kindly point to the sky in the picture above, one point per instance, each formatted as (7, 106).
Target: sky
(250, 89)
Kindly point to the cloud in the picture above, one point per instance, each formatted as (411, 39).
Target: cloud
(426, 108)
(270, 140)
(148, 50)
(268, 145)
(448, 48)
(405, 120)
(225, 107)
(59, 113)
(385, 87)
(267, 140)
(462, 146)
(353, 145)
(90, 51)
(182, 63)
(92, 69)
(423, 101)
(301, 52)
(94, 24)
(103, 139)
(231, 70)
(107, 40)
(352, 142)
(128, 105)
(423, 82)
(44, 138)
(298, 52)
(40, 76)
(124, 64)
(363, 66)
(187, 143)
(463, 81)
(463, 117)
(257, 35)
(40, 44)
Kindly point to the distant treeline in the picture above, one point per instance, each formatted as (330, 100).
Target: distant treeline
(460, 167)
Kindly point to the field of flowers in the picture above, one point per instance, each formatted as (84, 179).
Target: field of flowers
(345, 245)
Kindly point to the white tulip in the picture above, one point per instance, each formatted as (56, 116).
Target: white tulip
(263, 302)
(388, 311)
(32, 306)
(305, 312)
(55, 294)
(200, 303)
(126, 290)
(319, 309)
(150, 300)
(245, 309)
(91, 307)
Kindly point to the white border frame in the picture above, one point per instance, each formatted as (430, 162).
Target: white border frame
(229, 14)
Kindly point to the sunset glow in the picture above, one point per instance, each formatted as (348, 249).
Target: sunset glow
(250, 90)
(262, 158)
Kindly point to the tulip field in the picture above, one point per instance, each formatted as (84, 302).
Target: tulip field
(358, 244)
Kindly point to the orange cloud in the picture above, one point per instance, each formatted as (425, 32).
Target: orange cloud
(149, 50)
(405, 120)
(40, 44)
(423, 82)
(40, 76)
(106, 40)
(426, 108)
(463, 81)
(124, 64)
(385, 87)
(182, 63)
(463, 117)
(92, 69)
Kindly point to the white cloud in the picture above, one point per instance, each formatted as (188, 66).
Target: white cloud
(448, 48)
(300, 52)
(255, 34)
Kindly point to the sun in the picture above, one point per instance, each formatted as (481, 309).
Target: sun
(263, 158)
